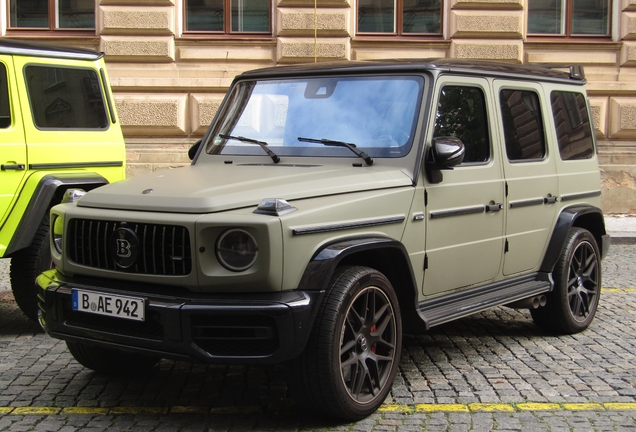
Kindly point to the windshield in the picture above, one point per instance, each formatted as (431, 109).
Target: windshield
(375, 115)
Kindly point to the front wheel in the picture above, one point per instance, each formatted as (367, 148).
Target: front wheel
(27, 265)
(350, 362)
(571, 306)
(110, 361)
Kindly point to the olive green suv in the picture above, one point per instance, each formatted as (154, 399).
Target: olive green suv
(327, 207)
(58, 131)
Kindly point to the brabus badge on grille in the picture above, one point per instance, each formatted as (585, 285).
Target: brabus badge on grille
(124, 247)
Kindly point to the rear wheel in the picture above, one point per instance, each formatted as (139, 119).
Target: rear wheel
(110, 361)
(350, 362)
(571, 306)
(27, 265)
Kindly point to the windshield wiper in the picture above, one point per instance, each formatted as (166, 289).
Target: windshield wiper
(350, 146)
(263, 145)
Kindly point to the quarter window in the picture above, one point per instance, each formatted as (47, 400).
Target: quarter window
(461, 113)
(522, 125)
(52, 14)
(573, 127)
(65, 98)
(399, 17)
(228, 16)
(569, 17)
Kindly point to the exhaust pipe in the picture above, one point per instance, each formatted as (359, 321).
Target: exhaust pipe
(529, 303)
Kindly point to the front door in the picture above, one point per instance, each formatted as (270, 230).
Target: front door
(13, 154)
(465, 213)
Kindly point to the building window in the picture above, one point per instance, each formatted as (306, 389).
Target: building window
(245, 16)
(52, 14)
(400, 17)
(569, 17)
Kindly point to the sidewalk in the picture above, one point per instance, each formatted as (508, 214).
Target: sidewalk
(622, 229)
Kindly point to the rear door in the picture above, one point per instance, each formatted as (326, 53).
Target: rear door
(465, 217)
(13, 153)
(530, 171)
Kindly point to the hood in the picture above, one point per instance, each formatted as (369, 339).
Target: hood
(208, 188)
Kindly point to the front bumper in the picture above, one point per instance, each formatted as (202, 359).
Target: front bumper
(236, 329)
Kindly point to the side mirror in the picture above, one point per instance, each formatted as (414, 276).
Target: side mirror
(444, 154)
(192, 152)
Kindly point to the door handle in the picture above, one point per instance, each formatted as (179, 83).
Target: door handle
(491, 208)
(15, 167)
(550, 199)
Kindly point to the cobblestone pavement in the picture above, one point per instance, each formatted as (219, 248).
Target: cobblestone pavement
(490, 371)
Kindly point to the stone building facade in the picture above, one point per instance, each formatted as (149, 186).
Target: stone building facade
(168, 82)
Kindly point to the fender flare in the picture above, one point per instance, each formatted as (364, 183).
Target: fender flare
(325, 261)
(47, 193)
(568, 219)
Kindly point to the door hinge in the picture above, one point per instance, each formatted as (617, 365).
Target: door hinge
(425, 261)
(425, 197)
(506, 246)
(506, 188)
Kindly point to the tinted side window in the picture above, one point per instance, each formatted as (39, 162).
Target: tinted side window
(65, 98)
(461, 113)
(522, 125)
(5, 108)
(574, 131)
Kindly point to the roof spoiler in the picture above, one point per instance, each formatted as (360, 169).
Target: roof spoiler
(576, 71)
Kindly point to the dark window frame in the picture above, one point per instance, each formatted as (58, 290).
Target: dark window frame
(52, 11)
(585, 125)
(227, 23)
(398, 17)
(96, 92)
(5, 102)
(569, 19)
(487, 122)
(540, 119)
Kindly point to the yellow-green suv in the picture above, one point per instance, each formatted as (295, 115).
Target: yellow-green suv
(58, 130)
(328, 204)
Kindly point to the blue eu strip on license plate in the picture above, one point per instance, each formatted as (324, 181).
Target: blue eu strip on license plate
(131, 308)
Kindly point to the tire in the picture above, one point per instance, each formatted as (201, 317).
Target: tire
(110, 361)
(349, 364)
(27, 265)
(571, 306)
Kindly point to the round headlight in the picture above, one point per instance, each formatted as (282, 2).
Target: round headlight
(236, 250)
(57, 228)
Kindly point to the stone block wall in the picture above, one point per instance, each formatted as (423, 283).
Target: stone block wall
(168, 85)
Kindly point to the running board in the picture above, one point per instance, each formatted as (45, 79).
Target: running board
(460, 304)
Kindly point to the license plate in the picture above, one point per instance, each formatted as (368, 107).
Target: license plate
(131, 308)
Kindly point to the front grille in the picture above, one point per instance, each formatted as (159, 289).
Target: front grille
(162, 249)
(235, 335)
(151, 328)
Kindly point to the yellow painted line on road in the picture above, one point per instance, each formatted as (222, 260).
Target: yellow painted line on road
(86, 410)
(139, 410)
(441, 407)
(36, 411)
(583, 406)
(628, 290)
(534, 406)
(386, 408)
(491, 407)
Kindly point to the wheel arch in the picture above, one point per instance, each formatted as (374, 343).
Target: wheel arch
(582, 216)
(385, 255)
(48, 192)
